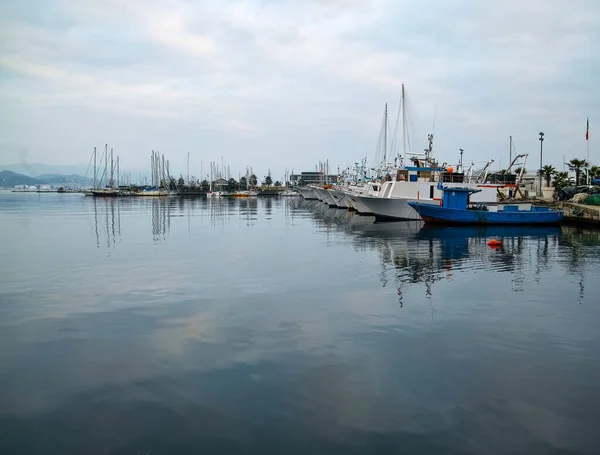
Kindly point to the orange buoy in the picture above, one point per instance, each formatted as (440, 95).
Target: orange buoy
(450, 169)
(495, 242)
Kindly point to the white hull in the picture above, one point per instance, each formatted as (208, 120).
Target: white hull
(307, 192)
(393, 209)
(339, 199)
(324, 196)
(356, 203)
(153, 193)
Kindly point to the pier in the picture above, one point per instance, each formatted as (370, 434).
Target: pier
(581, 213)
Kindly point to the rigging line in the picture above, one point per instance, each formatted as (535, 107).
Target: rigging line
(379, 142)
(88, 168)
(394, 145)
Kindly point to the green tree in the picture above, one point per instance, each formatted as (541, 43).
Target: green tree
(547, 172)
(594, 172)
(181, 181)
(576, 165)
(561, 179)
(232, 185)
(243, 183)
(268, 181)
(518, 171)
(277, 184)
(205, 185)
(253, 181)
(172, 183)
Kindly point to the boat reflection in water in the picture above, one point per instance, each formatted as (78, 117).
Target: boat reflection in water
(415, 253)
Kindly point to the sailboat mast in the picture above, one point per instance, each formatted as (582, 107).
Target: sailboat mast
(105, 160)
(94, 187)
(385, 120)
(152, 167)
(403, 126)
(112, 169)
(118, 183)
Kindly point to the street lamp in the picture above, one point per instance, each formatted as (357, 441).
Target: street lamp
(461, 152)
(541, 162)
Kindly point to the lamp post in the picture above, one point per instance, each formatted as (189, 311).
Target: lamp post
(541, 161)
(461, 153)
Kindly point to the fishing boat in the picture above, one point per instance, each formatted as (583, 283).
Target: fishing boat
(458, 210)
(307, 193)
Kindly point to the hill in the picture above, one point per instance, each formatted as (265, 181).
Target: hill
(9, 179)
(54, 179)
(33, 169)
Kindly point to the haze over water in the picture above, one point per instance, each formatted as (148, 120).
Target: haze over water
(179, 326)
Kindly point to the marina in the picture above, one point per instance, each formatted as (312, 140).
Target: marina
(181, 331)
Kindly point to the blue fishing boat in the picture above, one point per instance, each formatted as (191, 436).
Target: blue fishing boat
(456, 209)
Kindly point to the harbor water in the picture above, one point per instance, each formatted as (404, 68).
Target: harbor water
(276, 325)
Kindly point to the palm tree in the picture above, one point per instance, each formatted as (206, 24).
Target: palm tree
(577, 165)
(253, 180)
(594, 172)
(561, 179)
(547, 171)
(268, 181)
(518, 171)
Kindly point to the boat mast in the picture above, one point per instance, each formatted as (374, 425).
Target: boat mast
(94, 186)
(105, 160)
(118, 171)
(510, 149)
(403, 126)
(112, 169)
(385, 120)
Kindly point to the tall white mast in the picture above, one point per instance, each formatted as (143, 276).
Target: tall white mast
(105, 159)
(112, 169)
(94, 187)
(385, 120)
(152, 167)
(403, 126)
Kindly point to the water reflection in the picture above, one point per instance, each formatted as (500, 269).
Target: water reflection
(107, 222)
(423, 254)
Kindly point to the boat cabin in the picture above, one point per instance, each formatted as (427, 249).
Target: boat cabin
(456, 198)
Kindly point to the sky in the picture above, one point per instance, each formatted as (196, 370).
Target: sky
(285, 84)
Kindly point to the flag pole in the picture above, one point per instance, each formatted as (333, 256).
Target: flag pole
(587, 140)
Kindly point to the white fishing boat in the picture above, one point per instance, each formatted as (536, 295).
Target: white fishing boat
(307, 192)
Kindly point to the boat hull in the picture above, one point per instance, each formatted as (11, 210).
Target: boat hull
(339, 198)
(307, 193)
(357, 203)
(392, 209)
(443, 215)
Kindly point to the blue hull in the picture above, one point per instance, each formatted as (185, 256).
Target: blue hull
(444, 215)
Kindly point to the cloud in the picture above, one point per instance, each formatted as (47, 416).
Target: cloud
(309, 76)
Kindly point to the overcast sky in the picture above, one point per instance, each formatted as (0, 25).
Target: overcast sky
(286, 83)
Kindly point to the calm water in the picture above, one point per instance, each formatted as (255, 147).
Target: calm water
(173, 326)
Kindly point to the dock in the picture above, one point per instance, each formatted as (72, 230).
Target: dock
(581, 213)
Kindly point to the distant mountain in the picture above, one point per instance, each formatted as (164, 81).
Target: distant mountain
(36, 169)
(9, 179)
(54, 179)
(33, 169)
